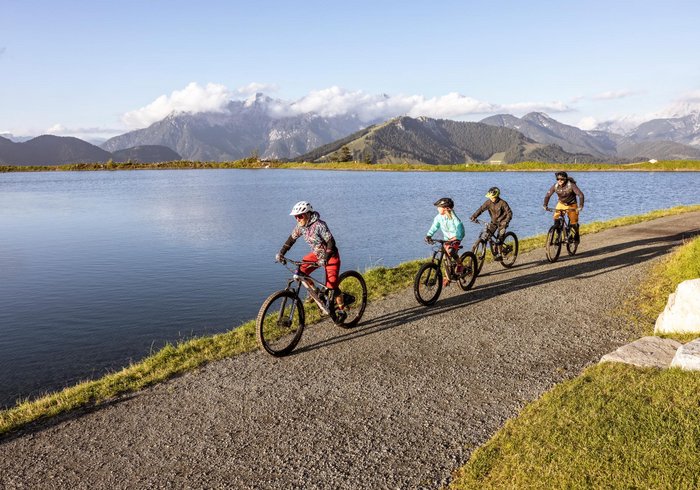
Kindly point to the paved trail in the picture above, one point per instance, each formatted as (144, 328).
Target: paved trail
(399, 402)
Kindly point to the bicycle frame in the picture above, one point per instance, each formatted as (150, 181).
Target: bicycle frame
(563, 223)
(439, 254)
(487, 237)
(301, 279)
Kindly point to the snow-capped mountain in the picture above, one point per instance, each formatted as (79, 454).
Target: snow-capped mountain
(242, 129)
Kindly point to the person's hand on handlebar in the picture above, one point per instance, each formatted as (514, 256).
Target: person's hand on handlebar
(280, 258)
(429, 240)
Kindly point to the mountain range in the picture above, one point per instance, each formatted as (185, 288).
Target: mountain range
(240, 130)
(439, 141)
(263, 127)
(61, 150)
(662, 139)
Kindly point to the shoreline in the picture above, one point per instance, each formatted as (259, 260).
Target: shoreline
(246, 164)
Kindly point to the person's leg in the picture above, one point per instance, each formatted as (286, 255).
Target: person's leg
(573, 220)
(332, 273)
(308, 268)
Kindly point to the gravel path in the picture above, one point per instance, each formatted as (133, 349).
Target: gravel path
(399, 402)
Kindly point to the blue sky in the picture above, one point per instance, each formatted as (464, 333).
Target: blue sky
(100, 68)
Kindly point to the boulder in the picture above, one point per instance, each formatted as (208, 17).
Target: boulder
(682, 312)
(688, 356)
(645, 352)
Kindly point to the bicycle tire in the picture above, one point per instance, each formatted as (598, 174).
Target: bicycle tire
(471, 270)
(571, 246)
(350, 284)
(479, 251)
(552, 246)
(277, 338)
(427, 285)
(511, 247)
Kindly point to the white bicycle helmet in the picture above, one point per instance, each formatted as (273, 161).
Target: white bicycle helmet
(300, 208)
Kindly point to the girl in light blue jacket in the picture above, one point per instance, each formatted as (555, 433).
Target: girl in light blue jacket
(452, 230)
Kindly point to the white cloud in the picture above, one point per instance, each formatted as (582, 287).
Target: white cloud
(61, 130)
(587, 123)
(193, 98)
(613, 94)
(686, 104)
(332, 101)
(255, 87)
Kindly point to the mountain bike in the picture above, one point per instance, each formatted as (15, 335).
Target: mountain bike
(487, 239)
(281, 319)
(560, 232)
(427, 285)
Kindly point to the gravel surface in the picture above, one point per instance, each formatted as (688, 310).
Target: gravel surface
(399, 402)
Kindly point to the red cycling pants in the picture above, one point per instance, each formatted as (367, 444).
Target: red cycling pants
(332, 268)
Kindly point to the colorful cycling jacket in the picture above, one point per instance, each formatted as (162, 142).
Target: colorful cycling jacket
(451, 227)
(317, 235)
(499, 211)
(567, 193)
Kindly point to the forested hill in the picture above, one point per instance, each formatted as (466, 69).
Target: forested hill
(439, 141)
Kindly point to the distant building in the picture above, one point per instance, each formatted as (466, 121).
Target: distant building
(653, 160)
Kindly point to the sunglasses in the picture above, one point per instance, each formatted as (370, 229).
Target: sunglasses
(299, 216)
(561, 180)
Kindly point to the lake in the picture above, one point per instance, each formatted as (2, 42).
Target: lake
(101, 268)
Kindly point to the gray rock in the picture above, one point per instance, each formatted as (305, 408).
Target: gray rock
(645, 352)
(688, 356)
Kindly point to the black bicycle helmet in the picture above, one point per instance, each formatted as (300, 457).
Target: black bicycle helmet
(563, 175)
(444, 202)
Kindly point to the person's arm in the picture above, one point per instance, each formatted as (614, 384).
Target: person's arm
(509, 213)
(546, 198)
(578, 192)
(478, 212)
(459, 234)
(435, 227)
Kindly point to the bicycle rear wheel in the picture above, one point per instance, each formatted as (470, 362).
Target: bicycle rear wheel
(280, 323)
(354, 290)
(428, 284)
(468, 276)
(552, 246)
(479, 251)
(571, 245)
(509, 249)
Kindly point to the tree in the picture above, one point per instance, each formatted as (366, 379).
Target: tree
(345, 154)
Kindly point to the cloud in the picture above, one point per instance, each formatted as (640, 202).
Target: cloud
(87, 132)
(613, 94)
(587, 123)
(255, 87)
(329, 102)
(193, 98)
(688, 103)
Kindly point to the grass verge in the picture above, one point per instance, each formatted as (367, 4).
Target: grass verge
(614, 426)
(187, 355)
(252, 163)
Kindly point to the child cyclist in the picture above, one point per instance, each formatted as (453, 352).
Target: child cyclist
(500, 216)
(452, 230)
(324, 252)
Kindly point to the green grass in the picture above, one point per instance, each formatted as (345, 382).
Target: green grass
(251, 163)
(187, 355)
(615, 426)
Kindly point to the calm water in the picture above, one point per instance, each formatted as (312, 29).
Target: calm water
(98, 269)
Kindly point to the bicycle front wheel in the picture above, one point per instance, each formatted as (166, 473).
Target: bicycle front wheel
(280, 323)
(428, 284)
(509, 249)
(468, 276)
(479, 251)
(552, 246)
(354, 290)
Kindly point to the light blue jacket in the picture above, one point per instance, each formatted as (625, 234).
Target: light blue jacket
(451, 228)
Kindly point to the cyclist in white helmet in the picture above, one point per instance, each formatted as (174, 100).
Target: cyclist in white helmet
(324, 251)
